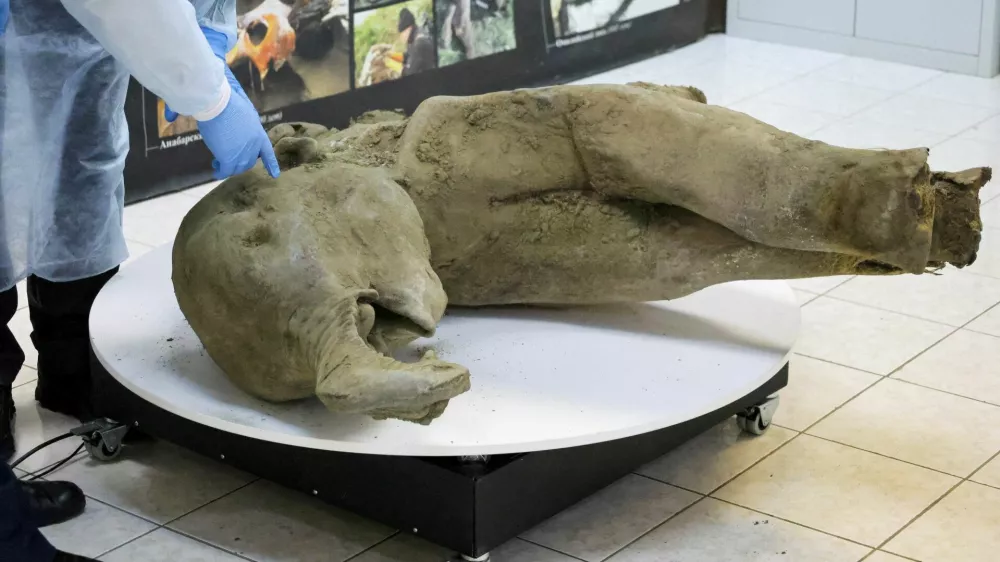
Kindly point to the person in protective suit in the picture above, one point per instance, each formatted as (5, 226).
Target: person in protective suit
(65, 71)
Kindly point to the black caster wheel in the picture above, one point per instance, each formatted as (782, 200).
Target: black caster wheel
(100, 450)
(756, 419)
(102, 439)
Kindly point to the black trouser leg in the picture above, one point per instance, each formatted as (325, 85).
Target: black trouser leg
(59, 317)
(20, 540)
(11, 354)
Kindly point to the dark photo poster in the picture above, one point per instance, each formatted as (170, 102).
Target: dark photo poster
(287, 52)
(328, 61)
(580, 20)
(392, 41)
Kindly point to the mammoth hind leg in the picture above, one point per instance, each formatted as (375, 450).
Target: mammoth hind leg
(663, 145)
(576, 248)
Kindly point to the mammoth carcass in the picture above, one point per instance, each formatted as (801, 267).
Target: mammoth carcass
(571, 195)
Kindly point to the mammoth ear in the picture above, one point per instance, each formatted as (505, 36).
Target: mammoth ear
(296, 151)
(285, 130)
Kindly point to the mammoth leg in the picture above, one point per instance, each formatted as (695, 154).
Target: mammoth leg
(353, 377)
(662, 145)
(592, 251)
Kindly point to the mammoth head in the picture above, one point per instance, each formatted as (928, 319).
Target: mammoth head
(303, 285)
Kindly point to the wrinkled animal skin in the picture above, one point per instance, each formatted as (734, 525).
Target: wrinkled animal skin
(304, 285)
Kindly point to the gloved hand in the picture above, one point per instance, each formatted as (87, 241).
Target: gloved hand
(235, 137)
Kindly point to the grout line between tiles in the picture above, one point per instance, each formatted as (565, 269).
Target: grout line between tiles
(658, 481)
(883, 455)
(839, 364)
(391, 536)
(662, 523)
(938, 322)
(752, 465)
(206, 504)
(947, 392)
(20, 384)
(550, 549)
(128, 542)
(797, 524)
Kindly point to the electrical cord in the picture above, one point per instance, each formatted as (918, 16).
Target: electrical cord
(52, 441)
(56, 466)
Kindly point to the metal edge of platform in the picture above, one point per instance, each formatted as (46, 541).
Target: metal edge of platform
(471, 508)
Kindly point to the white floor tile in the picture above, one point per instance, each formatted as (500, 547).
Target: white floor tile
(24, 376)
(989, 212)
(405, 548)
(164, 545)
(988, 323)
(877, 74)
(155, 222)
(819, 285)
(804, 297)
(22, 294)
(100, 529)
(598, 526)
(727, 82)
(802, 122)
(962, 526)
(408, 548)
(268, 523)
(715, 531)
(864, 338)
(837, 489)
(781, 57)
(960, 435)
(157, 481)
(816, 388)
(959, 154)
(880, 556)
(962, 89)
(987, 131)
(714, 457)
(867, 134)
(36, 425)
(928, 114)
(988, 258)
(20, 326)
(989, 474)
(827, 96)
(965, 363)
(953, 297)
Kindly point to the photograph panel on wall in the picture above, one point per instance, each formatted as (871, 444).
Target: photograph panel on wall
(286, 52)
(469, 29)
(393, 41)
(575, 17)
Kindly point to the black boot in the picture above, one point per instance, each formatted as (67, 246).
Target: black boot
(67, 557)
(7, 446)
(51, 503)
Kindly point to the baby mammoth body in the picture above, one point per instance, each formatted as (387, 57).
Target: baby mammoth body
(305, 284)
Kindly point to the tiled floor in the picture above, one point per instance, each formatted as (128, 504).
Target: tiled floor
(886, 445)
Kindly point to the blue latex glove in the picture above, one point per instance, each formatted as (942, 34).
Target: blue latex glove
(4, 15)
(235, 137)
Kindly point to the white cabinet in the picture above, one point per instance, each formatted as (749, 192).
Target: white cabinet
(955, 35)
(947, 25)
(835, 16)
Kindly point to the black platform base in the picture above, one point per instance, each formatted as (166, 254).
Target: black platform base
(471, 507)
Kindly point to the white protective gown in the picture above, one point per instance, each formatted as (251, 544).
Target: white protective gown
(65, 69)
